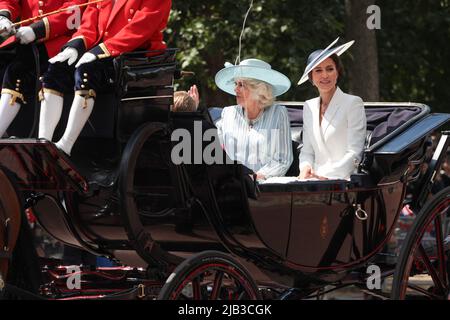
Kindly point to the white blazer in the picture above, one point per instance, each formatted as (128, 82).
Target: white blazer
(334, 148)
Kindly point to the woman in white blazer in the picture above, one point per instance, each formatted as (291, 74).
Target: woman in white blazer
(334, 124)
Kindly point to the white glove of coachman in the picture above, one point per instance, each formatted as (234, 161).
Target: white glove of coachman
(26, 35)
(86, 58)
(6, 27)
(68, 54)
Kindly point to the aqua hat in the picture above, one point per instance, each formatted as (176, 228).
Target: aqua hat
(253, 69)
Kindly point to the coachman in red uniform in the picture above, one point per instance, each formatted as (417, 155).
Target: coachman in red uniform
(108, 29)
(18, 71)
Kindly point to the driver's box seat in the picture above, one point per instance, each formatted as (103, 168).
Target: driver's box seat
(143, 92)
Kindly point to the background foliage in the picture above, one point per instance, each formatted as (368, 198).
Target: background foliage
(413, 48)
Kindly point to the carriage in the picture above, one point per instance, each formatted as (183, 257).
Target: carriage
(208, 230)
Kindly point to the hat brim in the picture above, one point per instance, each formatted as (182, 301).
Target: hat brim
(225, 78)
(322, 57)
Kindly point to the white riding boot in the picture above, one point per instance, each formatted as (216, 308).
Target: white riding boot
(79, 114)
(8, 111)
(51, 110)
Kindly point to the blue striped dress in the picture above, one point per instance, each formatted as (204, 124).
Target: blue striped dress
(263, 144)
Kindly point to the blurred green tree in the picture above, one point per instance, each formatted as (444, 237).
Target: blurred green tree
(281, 32)
(414, 52)
(413, 49)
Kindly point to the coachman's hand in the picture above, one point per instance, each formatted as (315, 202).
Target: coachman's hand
(6, 27)
(26, 35)
(69, 54)
(86, 58)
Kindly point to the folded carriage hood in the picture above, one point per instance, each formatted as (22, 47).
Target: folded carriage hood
(38, 165)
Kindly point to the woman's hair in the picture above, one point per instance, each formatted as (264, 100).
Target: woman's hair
(183, 102)
(260, 91)
(339, 67)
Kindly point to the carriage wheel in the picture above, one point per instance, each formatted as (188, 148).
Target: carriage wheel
(210, 275)
(10, 219)
(423, 267)
(143, 185)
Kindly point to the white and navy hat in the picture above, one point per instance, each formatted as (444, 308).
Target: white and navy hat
(252, 69)
(318, 56)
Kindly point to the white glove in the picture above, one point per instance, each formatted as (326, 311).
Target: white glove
(26, 35)
(86, 58)
(6, 27)
(70, 54)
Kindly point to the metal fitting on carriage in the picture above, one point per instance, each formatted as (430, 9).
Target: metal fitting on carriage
(141, 291)
(360, 213)
(7, 235)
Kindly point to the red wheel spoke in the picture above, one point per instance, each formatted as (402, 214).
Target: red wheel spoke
(441, 258)
(196, 289)
(423, 266)
(217, 285)
(230, 294)
(209, 275)
(434, 275)
(423, 291)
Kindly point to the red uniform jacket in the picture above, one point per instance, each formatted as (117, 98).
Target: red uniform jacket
(109, 29)
(54, 29)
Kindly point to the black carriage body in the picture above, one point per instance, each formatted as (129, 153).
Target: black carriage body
(68, 195)
(146, 211)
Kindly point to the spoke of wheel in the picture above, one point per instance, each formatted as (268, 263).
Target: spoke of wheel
(182, 297)
(423, 291)
(217, 285)
(440, 250)
(430, 268)
(242, 295)
(196, 289)
(230, 294)
(240, 290)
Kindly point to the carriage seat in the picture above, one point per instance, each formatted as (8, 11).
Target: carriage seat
(215, 113)
(382, 123)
